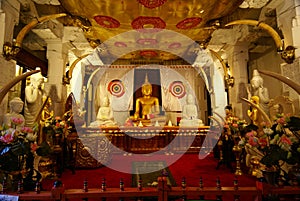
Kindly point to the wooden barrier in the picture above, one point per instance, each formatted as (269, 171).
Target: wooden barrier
(164, 192)
(55, 194)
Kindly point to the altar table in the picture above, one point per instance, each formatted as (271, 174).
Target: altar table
(170, 139)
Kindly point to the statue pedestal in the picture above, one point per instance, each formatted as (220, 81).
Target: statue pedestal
(150, 122)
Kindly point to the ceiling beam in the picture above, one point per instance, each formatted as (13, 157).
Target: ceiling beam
(26, 59)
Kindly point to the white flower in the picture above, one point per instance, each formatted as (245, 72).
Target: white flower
(31, 137)
(268, 131)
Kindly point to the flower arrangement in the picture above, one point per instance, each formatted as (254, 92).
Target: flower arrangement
(56, 129)
(18, 149)
(15, 145)
(234, 125)
(277, 146)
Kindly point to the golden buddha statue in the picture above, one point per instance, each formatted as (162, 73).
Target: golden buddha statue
(147, 106)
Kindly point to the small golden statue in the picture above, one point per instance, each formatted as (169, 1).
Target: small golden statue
(253, 113)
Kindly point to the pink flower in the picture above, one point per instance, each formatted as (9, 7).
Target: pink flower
(286, 140)
(253, 141)
(57, 118)
(281, 121)
(250, 134)
(16, 120)
(8, 137)
(263, 142)
(33, 147)
(26, 130)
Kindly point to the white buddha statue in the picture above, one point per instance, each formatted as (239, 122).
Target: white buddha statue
(190, 113)
(105, 115)
(257, 89)
(33, 98)
(14, 118)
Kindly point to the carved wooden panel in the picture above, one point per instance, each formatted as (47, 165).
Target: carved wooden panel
(93, 151)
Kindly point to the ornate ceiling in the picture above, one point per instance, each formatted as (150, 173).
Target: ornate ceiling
(137, 29)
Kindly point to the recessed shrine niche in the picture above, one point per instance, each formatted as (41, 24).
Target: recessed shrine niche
(122, 85)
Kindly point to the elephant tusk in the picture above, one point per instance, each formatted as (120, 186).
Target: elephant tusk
(268, 28)
(74, 64)
(32, 24)
(282, 78)
(265, 116)
(221, 117)
(221, 61)
(8, 86)
(219, 123)
(211, 138)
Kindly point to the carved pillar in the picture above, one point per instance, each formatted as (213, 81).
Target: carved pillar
(296, 43)
(2, 28)
(57, 59)
(237, 60)
(296, 27)
(9, 16)
(289, 23)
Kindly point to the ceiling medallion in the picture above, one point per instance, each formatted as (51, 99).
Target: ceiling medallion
(148, 53)
(142, 23)
(189, 23)
(174, 45)
(152, 3)
(147, 41)
(106, 21)
(120, 44)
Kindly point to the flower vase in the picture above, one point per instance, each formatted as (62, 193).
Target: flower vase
(57, 137)
(237, 150)
(294, 174)
(12, 179)
(271, 176)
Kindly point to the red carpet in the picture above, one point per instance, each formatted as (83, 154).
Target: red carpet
(188, 166)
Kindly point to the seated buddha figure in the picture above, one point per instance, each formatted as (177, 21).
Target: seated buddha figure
(14, 117)
(147, 106)
(105, 115)
(190, 113)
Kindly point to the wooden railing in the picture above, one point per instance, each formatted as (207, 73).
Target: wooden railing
(164, 192)
(54, 194)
